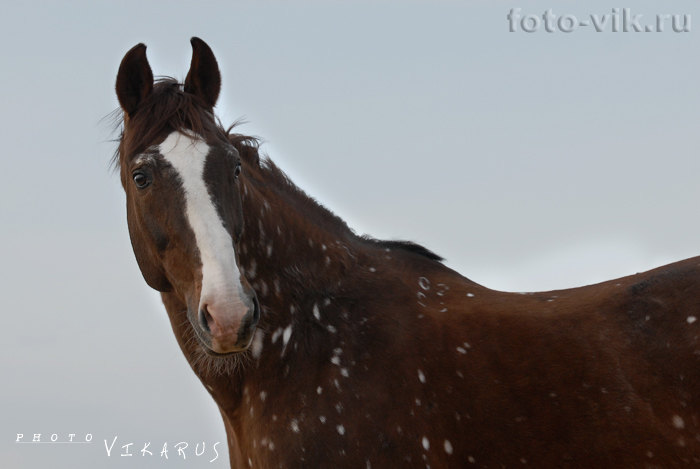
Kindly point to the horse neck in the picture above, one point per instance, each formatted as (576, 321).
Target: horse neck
(292, 253)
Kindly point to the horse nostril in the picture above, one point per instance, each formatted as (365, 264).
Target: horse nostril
(205, 318)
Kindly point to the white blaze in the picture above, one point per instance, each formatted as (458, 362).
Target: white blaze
(221, 279)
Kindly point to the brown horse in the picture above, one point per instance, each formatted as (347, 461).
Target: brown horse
(326, 349)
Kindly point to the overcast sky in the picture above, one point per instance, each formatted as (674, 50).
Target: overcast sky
(531, 161)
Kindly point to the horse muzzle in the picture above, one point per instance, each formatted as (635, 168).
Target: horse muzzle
(225, 328)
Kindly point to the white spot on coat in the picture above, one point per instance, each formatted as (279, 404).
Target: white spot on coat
(421, 376)
(424, 283)
(425, 443)
(286, 334)
(257, 345)
(341, 429)
(448, 447)
(678, 422)
(285, 338)
(691, 319)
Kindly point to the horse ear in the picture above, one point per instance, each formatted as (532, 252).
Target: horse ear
(134, 79)
(203, 79)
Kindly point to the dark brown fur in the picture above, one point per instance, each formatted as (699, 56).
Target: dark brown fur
(393, 359)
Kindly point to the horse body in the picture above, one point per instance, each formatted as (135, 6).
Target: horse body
(375, 354)
(369, 355)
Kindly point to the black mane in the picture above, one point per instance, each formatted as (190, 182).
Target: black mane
(409, 246)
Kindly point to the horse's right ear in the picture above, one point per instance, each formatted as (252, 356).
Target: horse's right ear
(134, 79)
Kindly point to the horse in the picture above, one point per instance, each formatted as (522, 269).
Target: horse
(324, 348)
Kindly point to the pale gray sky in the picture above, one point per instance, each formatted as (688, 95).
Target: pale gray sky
(530, 161)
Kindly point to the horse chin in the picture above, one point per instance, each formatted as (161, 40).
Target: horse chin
(210, 350)
(213, 351)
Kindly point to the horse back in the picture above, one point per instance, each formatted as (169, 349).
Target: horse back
(600, 376)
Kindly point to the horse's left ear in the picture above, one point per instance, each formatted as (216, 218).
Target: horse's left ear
(203, 79)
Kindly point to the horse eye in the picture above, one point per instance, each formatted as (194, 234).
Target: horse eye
(141, 180)
(237, 171)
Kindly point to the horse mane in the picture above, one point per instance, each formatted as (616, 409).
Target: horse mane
(248, 148)
(168, 108)
(409, 246)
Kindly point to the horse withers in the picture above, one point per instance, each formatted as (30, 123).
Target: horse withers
(323, 348)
